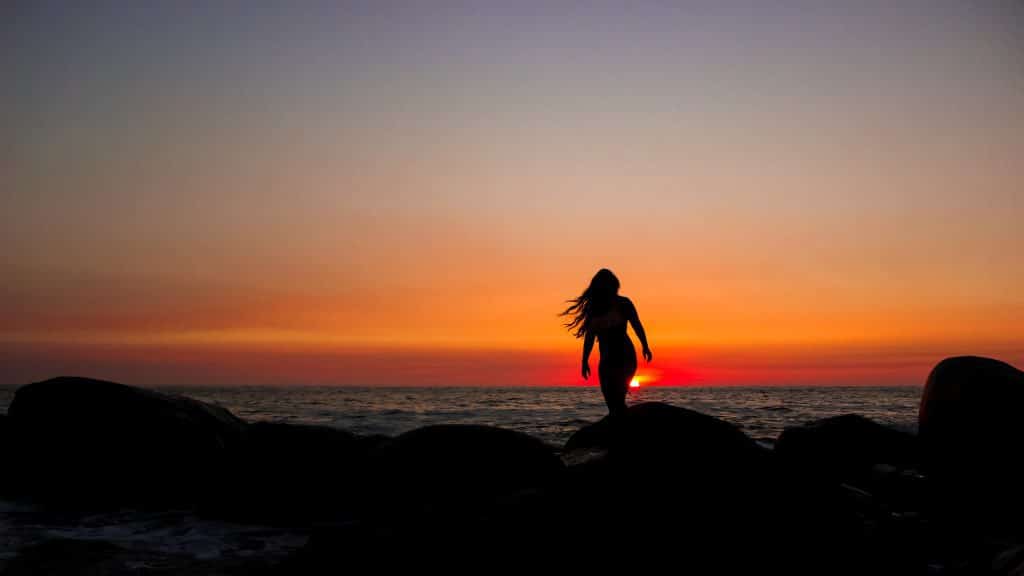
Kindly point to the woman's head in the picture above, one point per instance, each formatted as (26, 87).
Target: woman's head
(604, 284)
(595, 300)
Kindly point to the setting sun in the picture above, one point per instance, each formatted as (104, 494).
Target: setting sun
(635, 382)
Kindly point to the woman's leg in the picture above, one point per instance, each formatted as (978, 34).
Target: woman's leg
(617, 405)
(628, 365)
(613, 387)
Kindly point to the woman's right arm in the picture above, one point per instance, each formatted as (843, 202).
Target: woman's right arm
(588, 345)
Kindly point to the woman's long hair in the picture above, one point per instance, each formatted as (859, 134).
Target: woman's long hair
(594, 301)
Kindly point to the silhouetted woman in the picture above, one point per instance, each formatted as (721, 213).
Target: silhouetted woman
(600, 312)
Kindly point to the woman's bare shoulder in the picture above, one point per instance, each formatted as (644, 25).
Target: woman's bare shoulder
(626, 305)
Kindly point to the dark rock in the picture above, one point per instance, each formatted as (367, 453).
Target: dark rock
(656, 446)
(73, 557)
(970, 415)
(5, 486)
(79, 441)
(664, 435)
(483, 489)
(374, 441)
(455, 469)
(297, 441)
(846, 448)
(1009, 561)
(60, 556)
(972, 437)
(671, 478)
(668, 478)
(288, 473)
(853, 475)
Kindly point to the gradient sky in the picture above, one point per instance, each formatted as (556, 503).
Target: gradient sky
(406, 193)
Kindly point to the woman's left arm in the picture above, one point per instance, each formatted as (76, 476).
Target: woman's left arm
(634, 320)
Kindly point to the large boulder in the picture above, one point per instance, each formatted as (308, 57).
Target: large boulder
(971, 434)
(867, 468)
(846, 448)
(439, 491)
(66, 557)
(970, 414)
(96, 443)
(656, 447)
(668, 476)
(5, 484)
(661, 435)
(456, 469)
(295, 473)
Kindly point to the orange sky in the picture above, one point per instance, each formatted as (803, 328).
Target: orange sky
(408, 196)
(131, 329)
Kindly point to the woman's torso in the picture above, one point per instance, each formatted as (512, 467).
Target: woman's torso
(610, 329)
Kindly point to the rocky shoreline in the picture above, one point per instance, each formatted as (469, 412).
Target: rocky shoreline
(663, 486)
